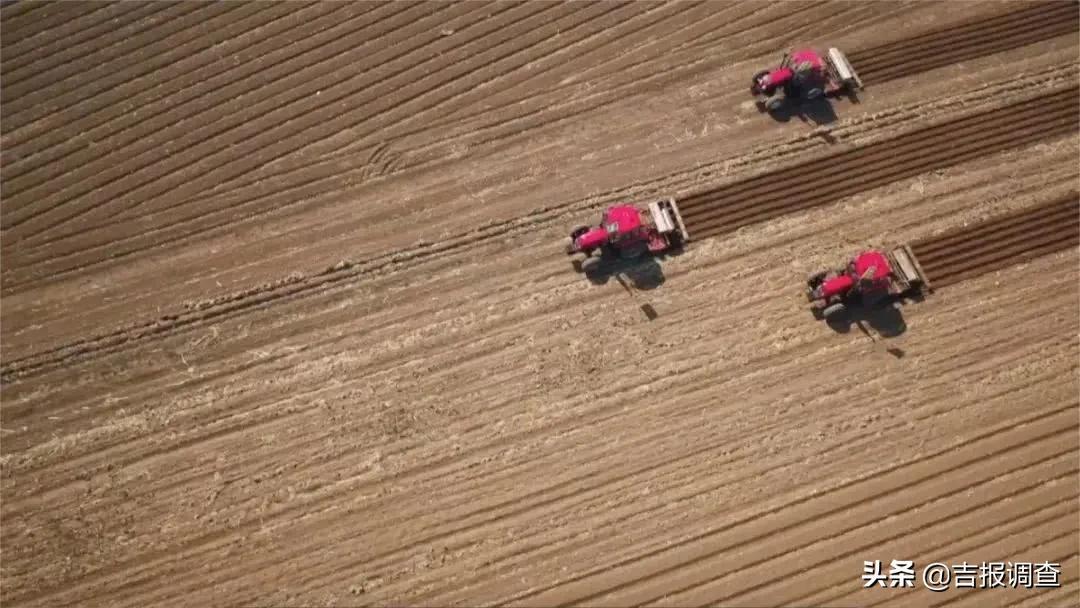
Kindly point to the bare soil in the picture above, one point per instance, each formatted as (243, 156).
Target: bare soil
(286, 319)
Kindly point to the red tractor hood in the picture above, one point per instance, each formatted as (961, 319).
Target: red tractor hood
(626, 218)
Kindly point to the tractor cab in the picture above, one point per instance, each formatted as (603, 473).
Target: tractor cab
(622, 223)
(871, 270)
(625, 230)
(808, 77)
(871, 276)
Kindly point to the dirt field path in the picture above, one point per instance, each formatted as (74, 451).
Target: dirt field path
(286, 320)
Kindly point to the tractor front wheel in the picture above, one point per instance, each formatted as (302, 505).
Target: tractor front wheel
(774, 103)
(591, 265)
(833, 311)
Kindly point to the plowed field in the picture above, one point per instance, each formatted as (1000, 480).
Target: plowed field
(286, 319)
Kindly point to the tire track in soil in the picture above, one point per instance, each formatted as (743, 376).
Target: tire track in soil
(814, 183)
(1000, 242)
(707, 214)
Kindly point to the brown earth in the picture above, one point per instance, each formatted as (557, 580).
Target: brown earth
(286, 320)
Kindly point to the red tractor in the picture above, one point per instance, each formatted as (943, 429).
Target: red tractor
(627, 232)
(869, 278)
(804, 75)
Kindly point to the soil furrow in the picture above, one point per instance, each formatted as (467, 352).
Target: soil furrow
(292, 357)
(777, 193)
(42, 18)
(951, 56)
(945, 544)
(181, 24)
(118, 460)
(1017, 254)
(1060, 107)
(895, 53)
(378, 99)
(717, 226)
(595, 583)
(297, 192)
(219, 135)
(1044, 500)
(967, 53)
(968, 252)
(1063, 99)
(1000, 242)
(912, 518)
(926, 467)
(19, 57)
(171, 90)
(935, 247)
(732, 464)
(193, 93)
(582, 28)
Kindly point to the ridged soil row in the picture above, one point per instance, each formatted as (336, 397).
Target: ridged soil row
(741, 203)
(1000, 242)
(964, 42)
(246, 50)
(832, 177)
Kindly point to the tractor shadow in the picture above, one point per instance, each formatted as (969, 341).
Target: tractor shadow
(886, 319)
(643, 274)
(818, 112)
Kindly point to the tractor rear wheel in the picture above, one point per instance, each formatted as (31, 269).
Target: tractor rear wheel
(834, 310)
(774, 103)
